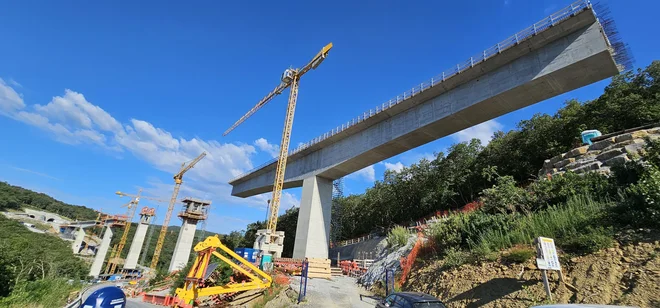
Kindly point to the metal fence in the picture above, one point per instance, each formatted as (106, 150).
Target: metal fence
(507, 43)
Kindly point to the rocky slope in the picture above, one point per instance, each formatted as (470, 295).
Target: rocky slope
(601, 155)
(627, 274)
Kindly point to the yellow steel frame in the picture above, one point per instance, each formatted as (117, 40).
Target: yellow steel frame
(191, 290)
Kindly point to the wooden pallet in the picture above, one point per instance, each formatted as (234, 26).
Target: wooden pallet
(319, 268)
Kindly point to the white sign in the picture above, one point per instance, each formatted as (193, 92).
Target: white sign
(547, 258)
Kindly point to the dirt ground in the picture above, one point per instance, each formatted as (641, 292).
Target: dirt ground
(627, 274)
(338, 292)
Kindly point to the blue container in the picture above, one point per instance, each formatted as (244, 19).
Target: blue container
(588, 134)
(249, 254)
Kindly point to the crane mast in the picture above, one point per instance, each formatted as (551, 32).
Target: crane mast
(178, 179)
(290, 78)
(132, 206)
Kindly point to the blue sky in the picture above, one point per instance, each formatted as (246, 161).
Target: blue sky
(99, 97)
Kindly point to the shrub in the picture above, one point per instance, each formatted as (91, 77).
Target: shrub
(592, 240)
(641, 201)
(561, 188)
(398, 237)
(505, 197)
(519, 255)
(460, 230)
(455, 257)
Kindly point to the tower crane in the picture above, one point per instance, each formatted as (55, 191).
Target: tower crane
(132, 205)
(290, 78)
(178, 179)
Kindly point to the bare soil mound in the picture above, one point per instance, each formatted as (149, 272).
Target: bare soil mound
(626, 274)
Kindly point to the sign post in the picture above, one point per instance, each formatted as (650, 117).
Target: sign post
(547, 259)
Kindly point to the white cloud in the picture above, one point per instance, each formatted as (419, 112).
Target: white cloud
(367, 173)
(272, 149)
(10, 101)
(483, 132)
(35, 172)
(15, 83)
(71, 119)
(396, 167)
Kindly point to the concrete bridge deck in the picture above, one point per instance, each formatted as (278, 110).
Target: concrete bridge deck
(570, 54)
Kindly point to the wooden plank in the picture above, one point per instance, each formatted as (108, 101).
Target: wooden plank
(322, 271)
(318, 260)
(314, 275)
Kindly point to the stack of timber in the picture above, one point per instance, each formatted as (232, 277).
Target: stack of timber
(336, 271)
(319, 268)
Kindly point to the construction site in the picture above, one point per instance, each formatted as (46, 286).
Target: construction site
(566, 50)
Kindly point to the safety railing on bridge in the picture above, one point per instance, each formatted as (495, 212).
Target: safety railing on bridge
(509, 42)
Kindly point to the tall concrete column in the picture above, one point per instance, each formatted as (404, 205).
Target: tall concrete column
(138, 239)
(136, 246)
(313, 230)
(194, 210)
(78, 242)
(95, 270)
(184, 245)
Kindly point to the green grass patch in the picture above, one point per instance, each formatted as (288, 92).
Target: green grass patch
(518, 255)
(398, 237)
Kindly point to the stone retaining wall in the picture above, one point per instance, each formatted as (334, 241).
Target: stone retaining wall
(601, 155)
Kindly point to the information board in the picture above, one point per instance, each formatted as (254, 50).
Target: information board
(547, 258)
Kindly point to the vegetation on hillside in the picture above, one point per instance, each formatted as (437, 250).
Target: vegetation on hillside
(15, 197)
(35, 268)
(512, 159)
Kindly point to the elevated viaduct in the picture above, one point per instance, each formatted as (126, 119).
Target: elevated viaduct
(563, 52)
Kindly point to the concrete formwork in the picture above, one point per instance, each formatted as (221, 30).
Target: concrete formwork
(97, 264)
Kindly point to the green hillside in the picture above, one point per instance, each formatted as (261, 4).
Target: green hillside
(16, 197)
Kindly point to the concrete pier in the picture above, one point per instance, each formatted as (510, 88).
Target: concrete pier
(77, 245)
(313, 230)
(97, 264)
(194, 210)
(138, 239)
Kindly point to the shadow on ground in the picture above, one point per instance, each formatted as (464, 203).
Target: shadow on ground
(491, 290)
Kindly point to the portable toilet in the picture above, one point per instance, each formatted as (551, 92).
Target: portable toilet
(588, 134)
(249, 254)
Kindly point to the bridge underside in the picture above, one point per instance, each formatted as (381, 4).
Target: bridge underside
(567, 63)
(570, 55)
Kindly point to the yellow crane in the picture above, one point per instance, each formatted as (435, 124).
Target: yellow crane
(178, 179)
(132, 205)
(290, 78)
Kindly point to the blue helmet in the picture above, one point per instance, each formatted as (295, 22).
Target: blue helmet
(108, 297)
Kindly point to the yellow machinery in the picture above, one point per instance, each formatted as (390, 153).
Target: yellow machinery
(186, 296)
(132, 205)
(290, 78)
(178, 179)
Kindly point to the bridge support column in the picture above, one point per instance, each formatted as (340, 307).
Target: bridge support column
(95, 270)
(313, 230)
(78, 242)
